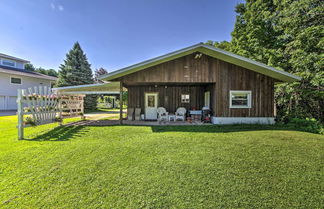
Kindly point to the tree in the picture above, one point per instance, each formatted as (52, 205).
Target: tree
(76, 70)
(41, 70)
(50, 72)
(29, 67)
(99, 72)
(221, 45)
(286, 34)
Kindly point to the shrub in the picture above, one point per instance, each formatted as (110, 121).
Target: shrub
(308, 124)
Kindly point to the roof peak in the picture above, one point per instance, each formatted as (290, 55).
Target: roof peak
(210, 51)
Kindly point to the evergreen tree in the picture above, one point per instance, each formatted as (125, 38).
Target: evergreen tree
(76, 70)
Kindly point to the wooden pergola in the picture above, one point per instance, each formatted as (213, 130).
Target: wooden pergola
(109, 88)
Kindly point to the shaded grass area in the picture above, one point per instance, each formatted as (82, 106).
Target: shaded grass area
(106, 110)
(161, 167)
(218, 128)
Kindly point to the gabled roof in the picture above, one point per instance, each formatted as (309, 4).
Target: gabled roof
(23, 72)
(211, 51)
(13, 58)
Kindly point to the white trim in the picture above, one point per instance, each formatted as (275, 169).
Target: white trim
(89, 92)
(243, 120)
(27, 74)
(260, 64)
(211, 51)
(249, 98)
(21, 80)
(79, 86)
(154, 109)
(13, 58)
(185, 100)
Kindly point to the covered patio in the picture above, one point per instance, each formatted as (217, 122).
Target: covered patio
(147, 97)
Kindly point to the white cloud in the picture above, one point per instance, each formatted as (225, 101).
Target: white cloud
(57, 6)
(52, 5)
(60, 7)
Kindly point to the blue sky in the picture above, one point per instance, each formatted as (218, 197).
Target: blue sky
(113, 33)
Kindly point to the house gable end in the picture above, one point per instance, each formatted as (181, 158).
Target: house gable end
(193, 68)
(207, 50)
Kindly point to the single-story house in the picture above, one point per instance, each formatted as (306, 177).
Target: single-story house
(14, 76)
(235, 88)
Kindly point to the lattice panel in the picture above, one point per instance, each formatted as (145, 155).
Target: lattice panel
(41, 103)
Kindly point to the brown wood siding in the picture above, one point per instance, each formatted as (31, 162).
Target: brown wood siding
(188, 70)
(169, 97)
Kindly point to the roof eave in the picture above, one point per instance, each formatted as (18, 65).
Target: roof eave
(149, 63)
(18, 73)
(249, 64)
(211, 51)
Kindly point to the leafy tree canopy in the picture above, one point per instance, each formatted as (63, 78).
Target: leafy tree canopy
(286, 34)
(50, 72)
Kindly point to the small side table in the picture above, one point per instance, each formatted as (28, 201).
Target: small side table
(171, 117)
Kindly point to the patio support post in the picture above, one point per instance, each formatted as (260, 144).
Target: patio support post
(121, 104)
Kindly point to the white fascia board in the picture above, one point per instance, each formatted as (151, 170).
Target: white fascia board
(249, 64)
(150, 62)
(90, 92)
(78, 86)
(211, 51)
(41, 76)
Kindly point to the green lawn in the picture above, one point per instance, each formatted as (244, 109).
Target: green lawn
(160, 167)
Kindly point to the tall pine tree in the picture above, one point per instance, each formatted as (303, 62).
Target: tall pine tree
(76, 70)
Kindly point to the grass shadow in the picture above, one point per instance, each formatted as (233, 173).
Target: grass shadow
(60, 133)
(218, 128)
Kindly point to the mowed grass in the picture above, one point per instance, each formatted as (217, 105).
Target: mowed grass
(160, 167)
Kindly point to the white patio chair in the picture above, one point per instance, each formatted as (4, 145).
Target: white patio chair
(180, 114)
(162, 114)
(137, 113)
(130, 113)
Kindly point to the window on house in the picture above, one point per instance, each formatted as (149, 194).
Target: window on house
(240, 99)
(15, 80)
(185, 98)
(9, 63)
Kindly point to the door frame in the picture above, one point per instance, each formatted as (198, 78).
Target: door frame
(145, 100)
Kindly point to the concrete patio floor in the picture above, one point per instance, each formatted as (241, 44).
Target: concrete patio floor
(110, 122)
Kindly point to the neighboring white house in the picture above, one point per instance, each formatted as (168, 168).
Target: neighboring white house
(13, 76)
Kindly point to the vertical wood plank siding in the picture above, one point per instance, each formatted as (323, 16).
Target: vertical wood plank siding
(207, 73)
(169, 97)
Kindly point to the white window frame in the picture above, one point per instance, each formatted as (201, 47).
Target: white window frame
(15, 63)
(249, 98)
(185, 100)
(21, 80)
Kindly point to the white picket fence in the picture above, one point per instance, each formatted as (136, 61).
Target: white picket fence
(42, 107)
